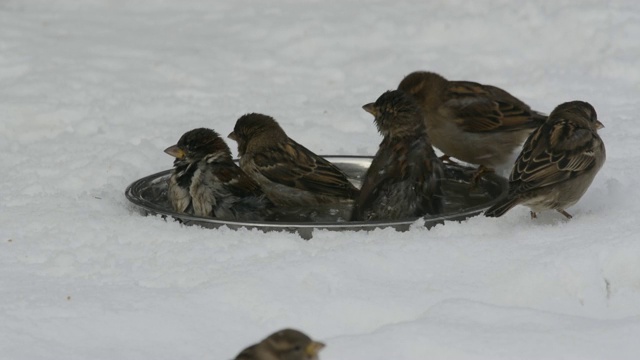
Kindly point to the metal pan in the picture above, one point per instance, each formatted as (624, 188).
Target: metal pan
(462, 200)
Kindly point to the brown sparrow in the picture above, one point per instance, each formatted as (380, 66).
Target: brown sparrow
(206, 182)
(478, 124)
(287, 344)
(289, 173)
(558, 162)
(403, 180)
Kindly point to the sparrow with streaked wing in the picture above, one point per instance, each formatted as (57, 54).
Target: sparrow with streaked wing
(478, 124)
(206, 182)
(289, 173)
(558, 162)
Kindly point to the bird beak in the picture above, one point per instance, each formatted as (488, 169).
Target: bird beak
(232, 136)
(599, 125)
(175, 151)
(313, 348)
(371, 109)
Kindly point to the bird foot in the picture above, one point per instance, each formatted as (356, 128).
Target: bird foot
(566, 214)
(475, 179)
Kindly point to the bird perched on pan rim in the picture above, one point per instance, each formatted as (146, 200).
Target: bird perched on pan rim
(478, 124)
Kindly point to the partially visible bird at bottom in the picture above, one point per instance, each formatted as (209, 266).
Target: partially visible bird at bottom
(286, 344)
(206, 182)
(558, 162)
(404, 178)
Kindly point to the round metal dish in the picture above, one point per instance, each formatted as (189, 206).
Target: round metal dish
(462, 200)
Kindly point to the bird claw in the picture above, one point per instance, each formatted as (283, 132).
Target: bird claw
(475, 179)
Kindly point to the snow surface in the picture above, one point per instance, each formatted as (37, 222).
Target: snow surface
(91, 93)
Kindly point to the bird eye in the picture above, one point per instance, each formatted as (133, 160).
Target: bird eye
(297, 348)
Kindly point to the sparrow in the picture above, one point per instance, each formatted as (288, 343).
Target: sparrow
(289, 173)
(404, 179)
(478, 124)
(206, 182)
(558, 162)
(286, 344)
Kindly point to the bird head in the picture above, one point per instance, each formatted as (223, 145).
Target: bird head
(396, 114)
(290, 344)
(198, 144)
(579, 111)
(254, 130)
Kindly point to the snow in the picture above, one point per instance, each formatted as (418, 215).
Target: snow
(91, 93)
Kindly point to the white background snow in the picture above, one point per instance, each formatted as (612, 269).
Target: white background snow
(91, 93)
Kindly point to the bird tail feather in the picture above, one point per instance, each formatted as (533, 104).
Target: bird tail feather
(501, 207)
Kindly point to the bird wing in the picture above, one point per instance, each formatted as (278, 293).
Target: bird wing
(388, 169)
(296, 166)
(379, 176)
(485, 108)
(236, 181)
(552, 154)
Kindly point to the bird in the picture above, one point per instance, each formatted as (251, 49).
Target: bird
(558, 162)
(205, 181)
(478, 124)
(404, 179)
(286, 344)
(289, 173)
